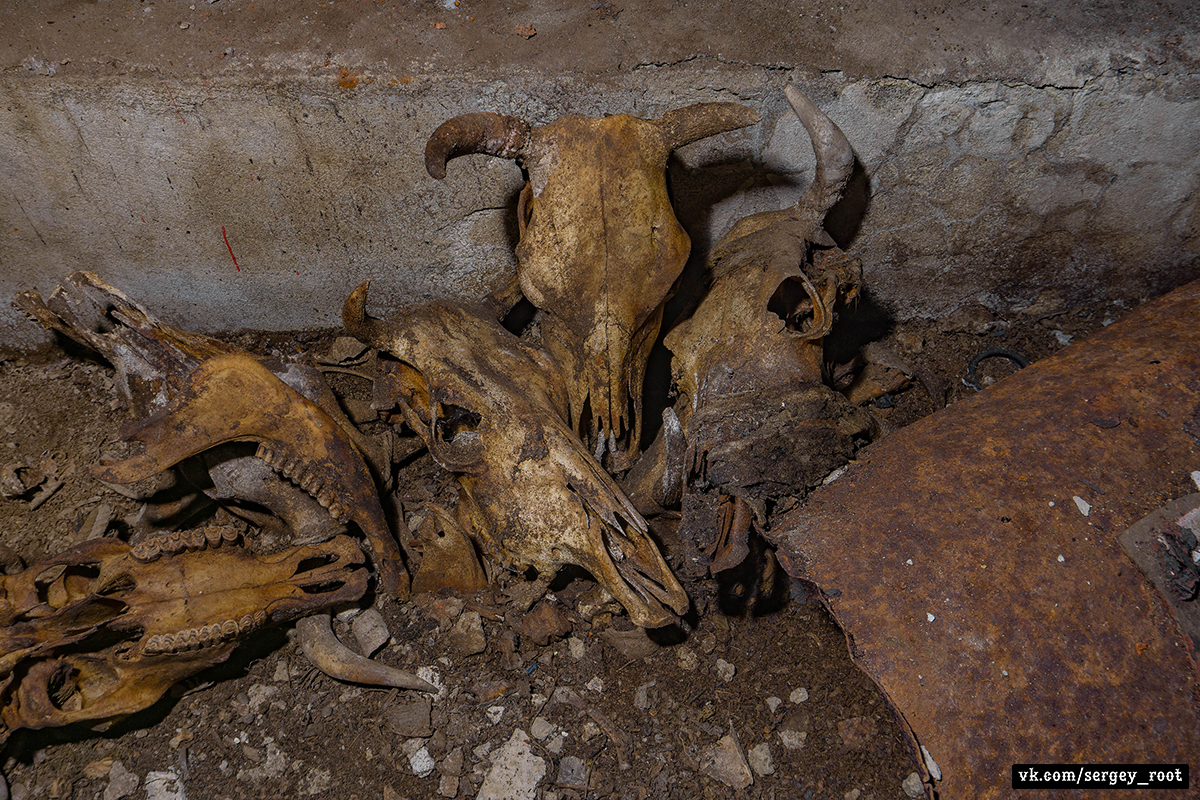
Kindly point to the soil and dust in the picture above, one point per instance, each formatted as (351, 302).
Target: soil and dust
(766, 692)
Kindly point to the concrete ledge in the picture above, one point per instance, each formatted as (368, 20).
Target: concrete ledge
(1008, 157)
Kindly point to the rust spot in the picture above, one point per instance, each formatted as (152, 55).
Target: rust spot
(348, 79)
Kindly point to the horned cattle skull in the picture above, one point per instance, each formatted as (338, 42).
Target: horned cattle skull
(755, 418)
(600, 247)
(104, 629)
(492, 410)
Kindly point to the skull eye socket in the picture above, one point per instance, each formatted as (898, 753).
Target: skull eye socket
(62, 584)
(456, 420)
(61, 688)
(792, 304)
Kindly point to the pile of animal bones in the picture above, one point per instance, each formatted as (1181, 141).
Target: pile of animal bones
(541, 431)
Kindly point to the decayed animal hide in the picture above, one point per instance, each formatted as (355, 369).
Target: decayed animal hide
(600, 247)
(755, 420)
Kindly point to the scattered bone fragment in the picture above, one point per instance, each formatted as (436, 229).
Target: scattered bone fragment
(760, 760)
(121, 782)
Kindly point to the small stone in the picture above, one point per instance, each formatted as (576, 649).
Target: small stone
(430, 675)
(164, 785)
(482, 752)
(494, 714)
(577, 648)
(98, 769)
(555, 745)
(419, 759)
(760, 759)
(708, 643)
(935, 771)
(589, 731)
(121, 782)
(448, 786)
(856, 732)
(792, 740)
(688, 660)
(853, 794)
(281, 675)
(572, 773)
(913, 787)
(466, 637)
(515, 773)
(540, 728)
(445, 610)
(798, 696)
(596, 684)
(544, 624)
(726, 762)
(641, 698)
(634, 644)
(410, 717)
(774, 703)
(370, 631)
(453, 763)
(725, 670)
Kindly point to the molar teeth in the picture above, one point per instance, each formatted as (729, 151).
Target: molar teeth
(229, 629)
(266, 454)
(195, 539)
(213, 536)
(325, 497)
(146, 551)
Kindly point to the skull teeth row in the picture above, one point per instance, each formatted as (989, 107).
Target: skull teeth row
(154, 547)
(301, 475)
(204, 636)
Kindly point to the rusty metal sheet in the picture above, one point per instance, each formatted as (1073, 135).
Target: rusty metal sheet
(973, 561)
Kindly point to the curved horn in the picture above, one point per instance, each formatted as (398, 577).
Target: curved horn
(482, 132)
(337, 661)
(835, 159)
(685, 125)
(366, 329)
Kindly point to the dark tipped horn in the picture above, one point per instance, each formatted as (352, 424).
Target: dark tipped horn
(368, 330)
(685, 125)
(835, 159)
(483, 132)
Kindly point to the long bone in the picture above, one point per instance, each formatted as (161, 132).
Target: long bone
(492, 410)
(235, 398)
(600, 247)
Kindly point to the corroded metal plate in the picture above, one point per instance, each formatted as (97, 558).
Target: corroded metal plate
(973, 561)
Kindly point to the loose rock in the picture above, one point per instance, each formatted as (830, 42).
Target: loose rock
(798, 696)
(410, 717)
(121, 782)
(544, 624)
(515, 773)
(725, 670)
(164, 786)
(760, 759)
(726, 762)
(634, 644)
(466, 637)
(913, 787)
(370, 631)
(572, 773)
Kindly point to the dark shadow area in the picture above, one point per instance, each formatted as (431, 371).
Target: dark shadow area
(861, 322)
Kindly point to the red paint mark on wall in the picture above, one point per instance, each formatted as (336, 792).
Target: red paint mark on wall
(177, 111)
(225, 236)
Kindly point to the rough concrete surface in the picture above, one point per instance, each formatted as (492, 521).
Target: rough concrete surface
(1010, 153)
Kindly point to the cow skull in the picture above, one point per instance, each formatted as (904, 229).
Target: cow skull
(491, 409)
(104, 629)
(600, 247)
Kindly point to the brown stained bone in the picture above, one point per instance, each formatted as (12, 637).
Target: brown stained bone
(1017, 605)
(600, 247)
(492, 409)
(235, 398)
(103, 630)
(323, 649)
(152, 361)
(755, 418)
(448, 559)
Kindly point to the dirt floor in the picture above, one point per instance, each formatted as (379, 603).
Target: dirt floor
(606, 711)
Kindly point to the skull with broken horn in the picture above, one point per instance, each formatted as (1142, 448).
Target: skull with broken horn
(491, 409)
(600, 247)
(755, 419)
(102, 630)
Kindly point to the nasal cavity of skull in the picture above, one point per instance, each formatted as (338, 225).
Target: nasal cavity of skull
(62, 689)
(314, 564)
(791, 303)
(63, 583)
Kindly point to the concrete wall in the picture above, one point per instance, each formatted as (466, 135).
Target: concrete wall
(1029, 160)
